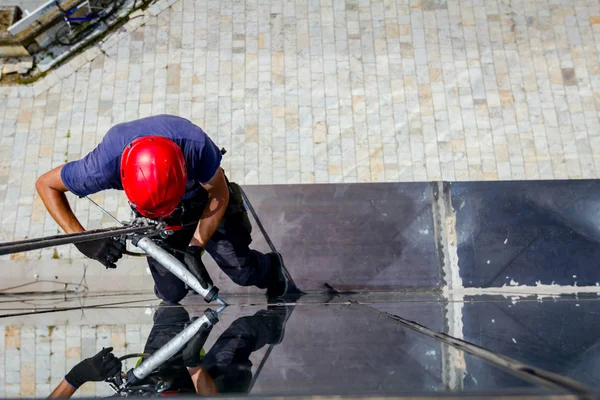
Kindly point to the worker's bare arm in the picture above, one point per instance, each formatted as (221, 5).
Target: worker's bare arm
(63, 390)
(218, 198)
(202, 381)
(52, 190)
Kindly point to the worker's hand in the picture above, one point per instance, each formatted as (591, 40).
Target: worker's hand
(192, 353)
(106, 251)
(94, 369)
(193, 260)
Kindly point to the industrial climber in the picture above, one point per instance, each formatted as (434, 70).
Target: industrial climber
(170, 171)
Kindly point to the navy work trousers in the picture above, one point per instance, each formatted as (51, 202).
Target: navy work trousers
(229, 247)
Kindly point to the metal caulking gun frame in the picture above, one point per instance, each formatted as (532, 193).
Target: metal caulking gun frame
(174, 345)
(177, 268)
(171, 348)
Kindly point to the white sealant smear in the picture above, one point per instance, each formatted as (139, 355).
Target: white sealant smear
(505, 240)
(452, 357)
(493, 321)
(574, 276)
(513, 290)
(454, 314)
(514, 341)
(430, 353)
(488, 261)
(424, 231)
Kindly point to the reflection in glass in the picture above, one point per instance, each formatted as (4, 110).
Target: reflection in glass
(224, 368)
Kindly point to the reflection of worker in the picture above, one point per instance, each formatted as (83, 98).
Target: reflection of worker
(165, 163)
(226, 368)
(228, 361)
(169, 320)
(93, 369)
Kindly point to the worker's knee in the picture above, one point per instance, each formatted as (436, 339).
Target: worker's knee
(227, 256)
(240, 276)
(170, 293)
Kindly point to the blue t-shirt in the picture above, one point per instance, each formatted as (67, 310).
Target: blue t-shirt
(100, 169)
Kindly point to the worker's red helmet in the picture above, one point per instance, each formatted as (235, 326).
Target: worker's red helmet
(153, 174)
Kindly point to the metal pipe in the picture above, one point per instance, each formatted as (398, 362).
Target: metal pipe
(58, 240)
(221, 309)
(167, 351)
(176, 267)
(221, 301)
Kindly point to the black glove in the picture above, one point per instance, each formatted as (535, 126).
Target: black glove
(106, 251)
(192, 356)
(193, 260)
(94, 369)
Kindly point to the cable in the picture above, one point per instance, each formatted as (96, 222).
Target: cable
(108, 305)
(255, 216)
(272, 247)
(104, 211)
(3, 292)
(58, 240)
(133, 355)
